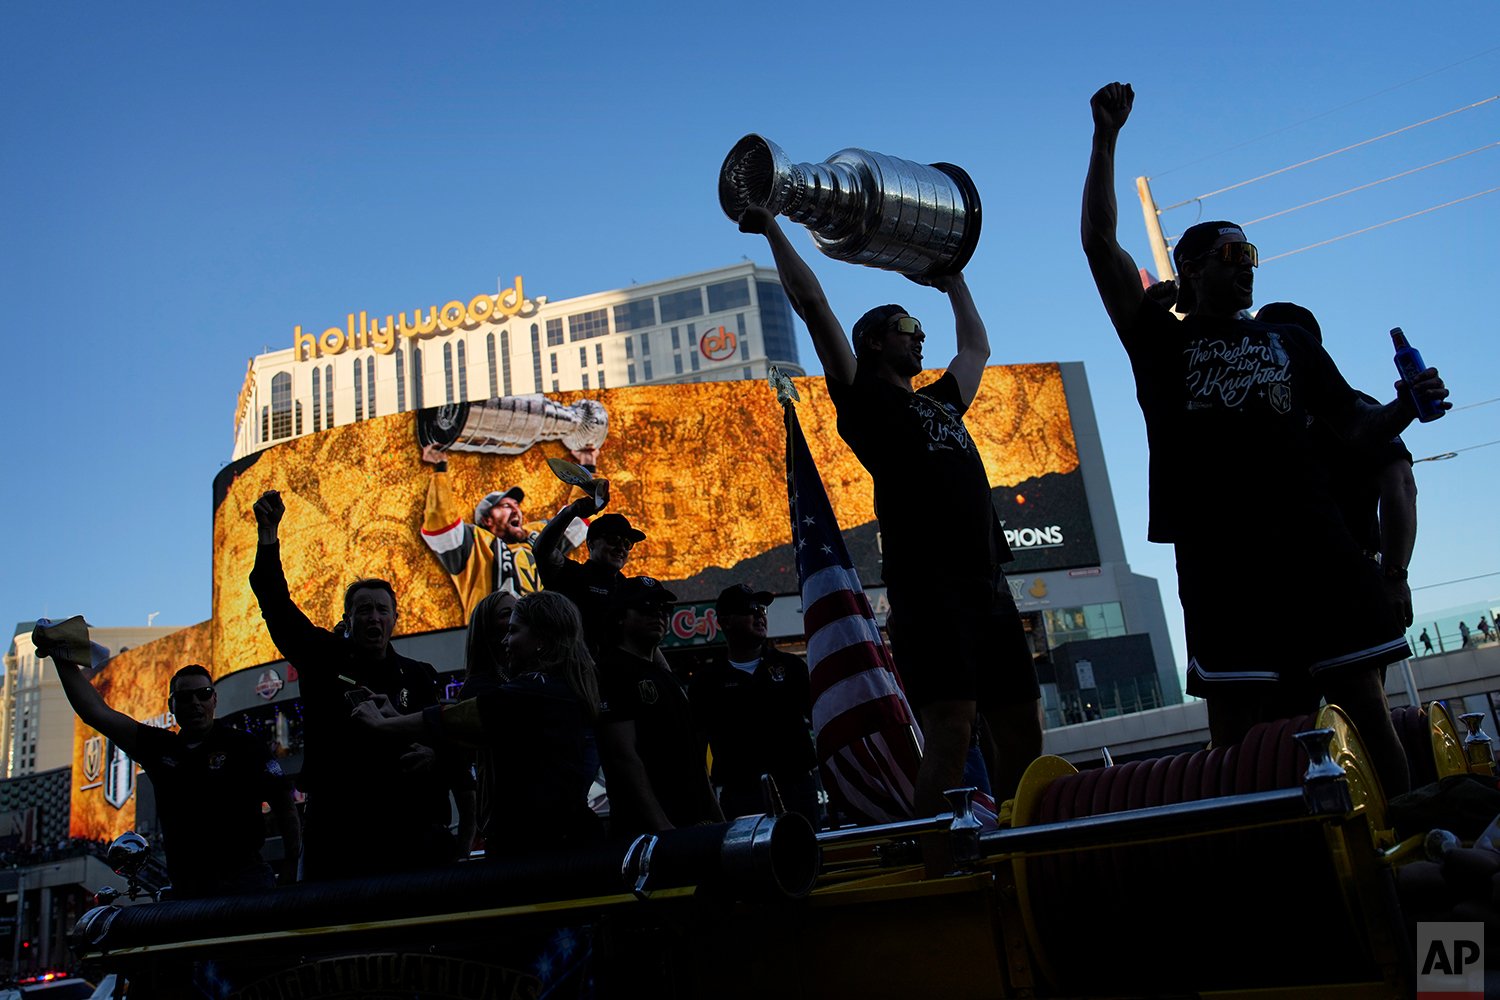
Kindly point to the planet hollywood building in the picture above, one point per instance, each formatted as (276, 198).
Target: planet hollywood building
(728, 323)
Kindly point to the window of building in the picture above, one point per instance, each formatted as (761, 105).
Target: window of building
(634, 315)
(776, 322)
(583, 356)
(370, 386)
(417, 380)
(448, 373)
(317, 398)
(677, 364)
(601, 378)
(645, 345)
(463, 371)
(676, 340)
(265, 423)
(585, 377)
(504, 362)
(281, 405)
(328, 395)
(747, 372)
(554, 362)
(598, 354)
(727, 295)
(400, 380)
(693, 357)
(297, 409)
(554, 332)
(681, 305)
(536, 359)
(630, 348)
(630, 374)
(489, 354)
(646, 369)
(739, 321)
(584, 325)
(359, 389)
(554, 385)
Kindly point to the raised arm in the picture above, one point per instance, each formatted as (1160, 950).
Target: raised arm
(290, 629)
(1115, 273)
(87, 702)
(806, 296)
(967, 366)
(547, 541)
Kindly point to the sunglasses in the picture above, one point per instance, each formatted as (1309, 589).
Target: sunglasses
(754, 609)
(908, 324)
(200, 694)
(1233, 253)
(612, 539)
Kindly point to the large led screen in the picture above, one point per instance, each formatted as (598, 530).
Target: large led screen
(699, 467)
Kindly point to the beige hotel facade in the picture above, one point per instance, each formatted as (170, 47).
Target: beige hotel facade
(727, 323)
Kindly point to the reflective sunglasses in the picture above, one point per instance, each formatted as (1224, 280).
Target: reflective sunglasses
(908, 324)
(201, 694)
(1233, 253)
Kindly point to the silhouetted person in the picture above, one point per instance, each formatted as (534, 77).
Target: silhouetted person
(1374, 487)
(919, 453)
(1426, 641)
(210, 780)
(536, 728)
(752, 702)
(653, 763)
(372, 807)
(1226, 401)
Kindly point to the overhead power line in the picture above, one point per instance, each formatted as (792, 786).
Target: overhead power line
(1330, 111)
(1379, 225)
(1324, 156)
(1361, 187)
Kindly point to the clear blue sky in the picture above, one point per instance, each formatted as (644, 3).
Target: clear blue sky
(184, 182)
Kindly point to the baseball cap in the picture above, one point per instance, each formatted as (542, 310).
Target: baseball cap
(640, 592)
(615, 524)
(1196, 241)
(739, 599)
(483, 507)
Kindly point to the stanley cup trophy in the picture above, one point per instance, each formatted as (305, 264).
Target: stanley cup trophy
(921, 220)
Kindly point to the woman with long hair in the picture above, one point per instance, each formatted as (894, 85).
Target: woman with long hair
(537, 727)
(485, 665)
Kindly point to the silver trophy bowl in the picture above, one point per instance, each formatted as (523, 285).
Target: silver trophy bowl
(918, 219)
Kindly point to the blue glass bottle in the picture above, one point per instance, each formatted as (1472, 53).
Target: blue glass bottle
(1409, 365)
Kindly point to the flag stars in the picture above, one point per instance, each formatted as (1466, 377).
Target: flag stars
(809, 520)
(828, 550)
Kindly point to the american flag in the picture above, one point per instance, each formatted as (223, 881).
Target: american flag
(868, 743)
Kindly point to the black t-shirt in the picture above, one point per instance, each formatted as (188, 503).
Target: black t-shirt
(755, 722)
(635, 690)
(1353, 475)
(927, 472)
(209, 797)
(1226, 403)
(587, 585)
(539, 764)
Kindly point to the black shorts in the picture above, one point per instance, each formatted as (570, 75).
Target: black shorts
(961, 642)
(1251, 622)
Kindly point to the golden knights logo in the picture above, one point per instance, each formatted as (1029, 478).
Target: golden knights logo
(93, 758)
(119, 776)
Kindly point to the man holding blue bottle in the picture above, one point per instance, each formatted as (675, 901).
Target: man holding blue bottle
(1234, 483)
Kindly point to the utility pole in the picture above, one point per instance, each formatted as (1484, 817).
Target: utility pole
(1159, 251)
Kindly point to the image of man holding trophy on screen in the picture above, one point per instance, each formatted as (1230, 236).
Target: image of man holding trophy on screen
(494, 551)
(956, 635)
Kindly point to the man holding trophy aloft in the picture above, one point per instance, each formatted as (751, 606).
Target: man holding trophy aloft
(955, 631)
